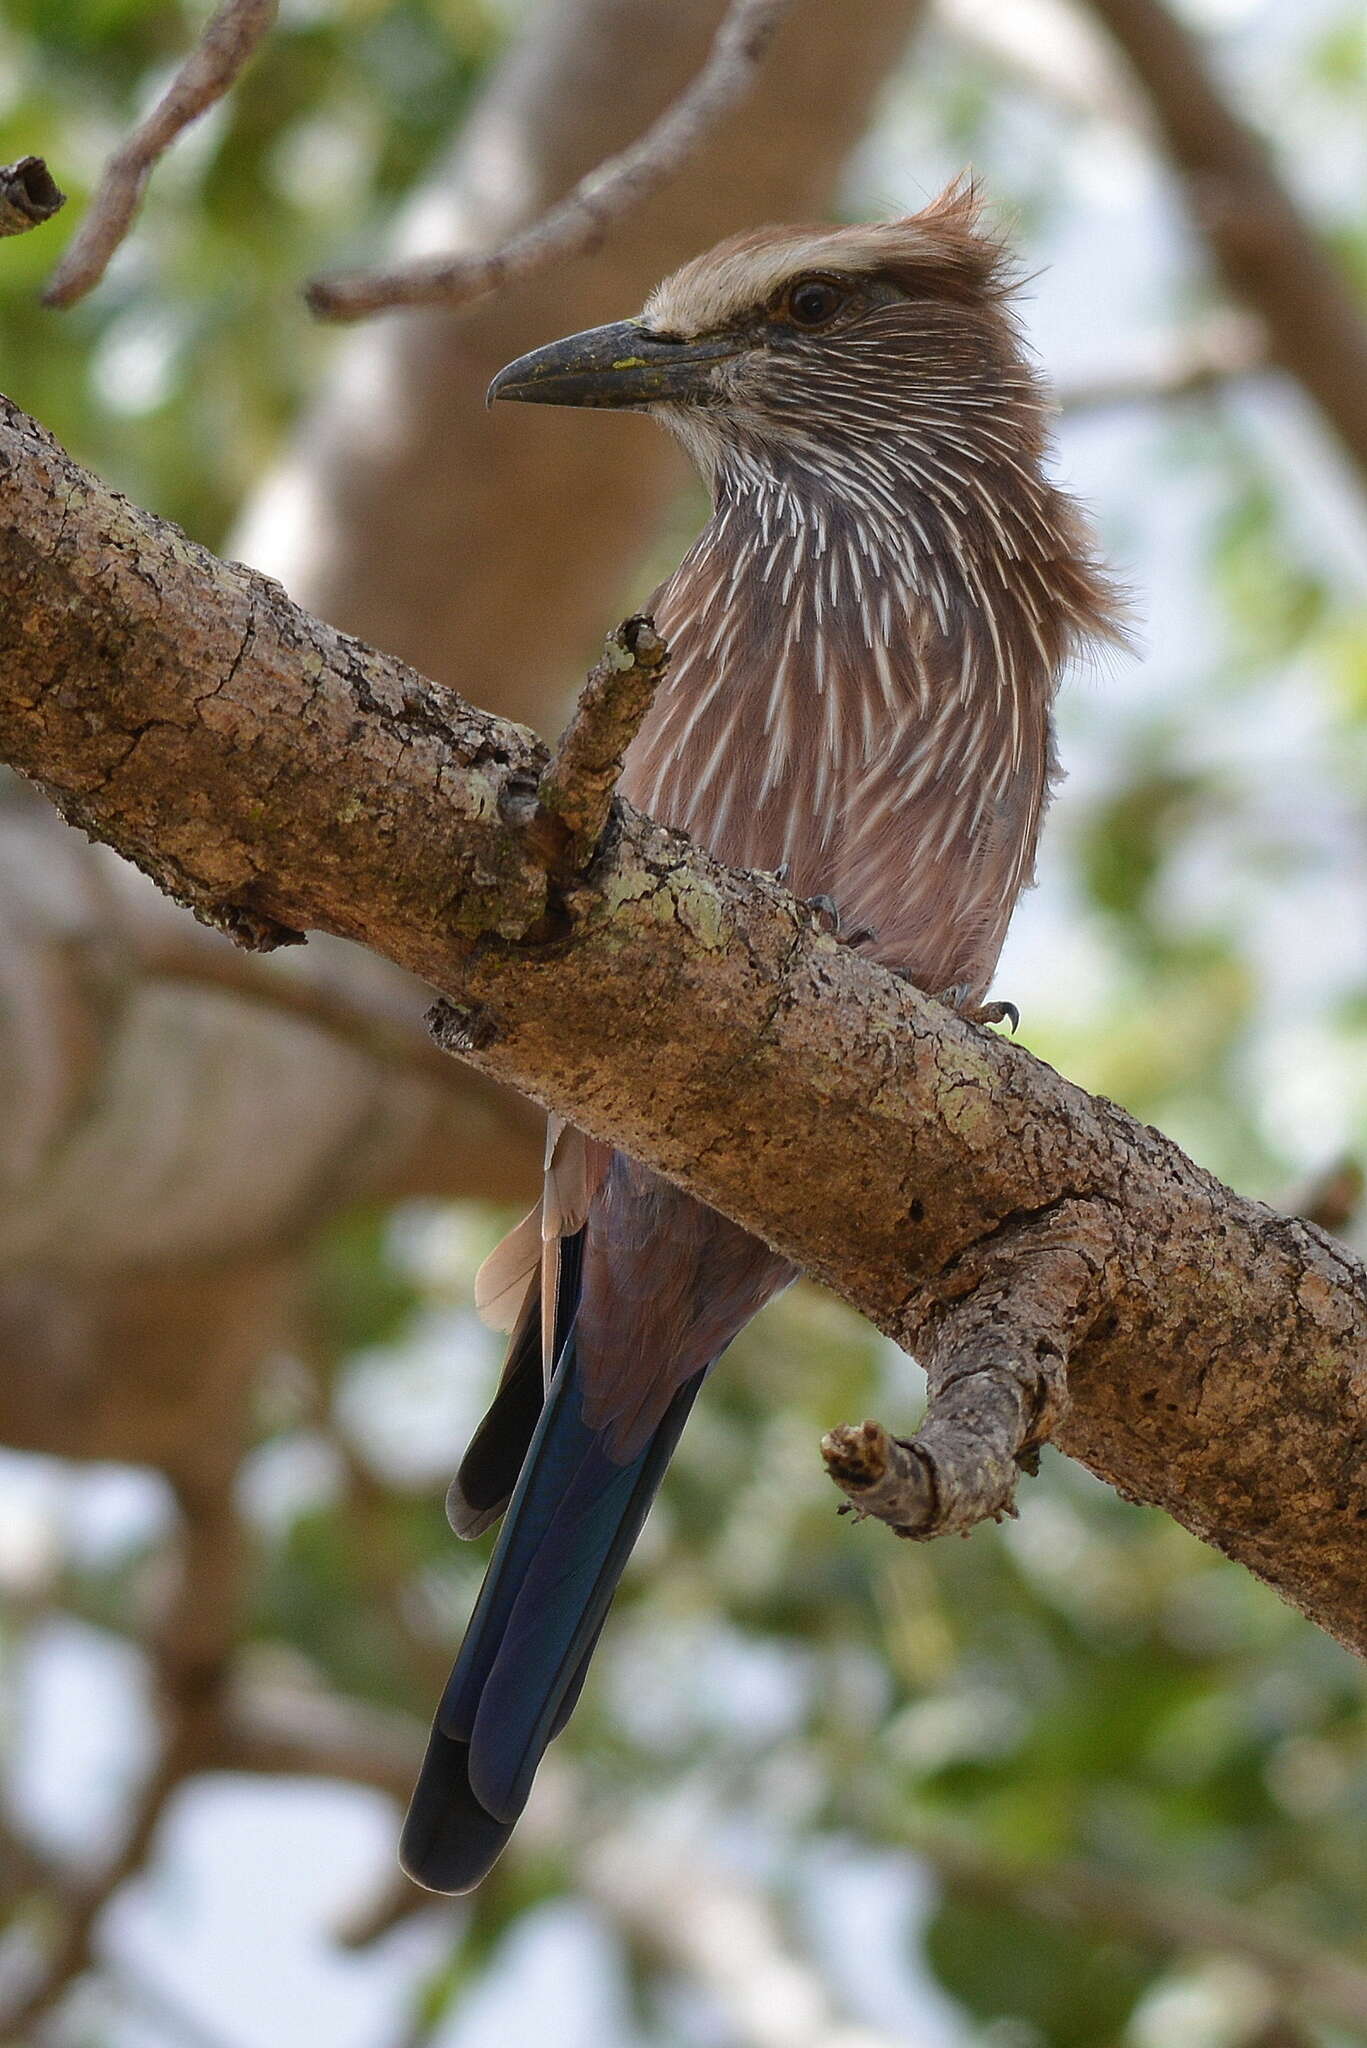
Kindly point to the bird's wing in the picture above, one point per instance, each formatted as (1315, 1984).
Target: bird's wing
(575, 1166)
(504, 1280)
(528, 1286)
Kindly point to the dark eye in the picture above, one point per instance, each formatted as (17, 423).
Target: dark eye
(814, 301)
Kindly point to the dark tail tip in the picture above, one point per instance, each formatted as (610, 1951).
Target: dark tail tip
(449, 1841)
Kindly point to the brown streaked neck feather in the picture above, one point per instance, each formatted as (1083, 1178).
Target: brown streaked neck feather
(867, 639)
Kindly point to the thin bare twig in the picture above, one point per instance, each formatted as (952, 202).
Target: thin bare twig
(1219, 352)
(1176, 1921)
(1048, 49)
(1264, 248)
(716, 1925)
(997, 1378)
(578, 222)
(273, 1727)
(397, 1901)
(71, 1953)
(369, 1020)
(230, 38)
(192, 1652)
(29, 195)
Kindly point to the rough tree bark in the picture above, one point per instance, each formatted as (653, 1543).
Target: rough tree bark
(278, 775)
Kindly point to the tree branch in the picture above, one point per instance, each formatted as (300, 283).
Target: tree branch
(577, 223)
(1166, 1921)
(371, 1020)
(1217, 352)
(28, 195)
(141, 1059)
(997, 1373)
(192, 1652)
(1266, 251)
(230, 39)
(277, 775)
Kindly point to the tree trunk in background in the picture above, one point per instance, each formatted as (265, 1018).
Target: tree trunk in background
(175, 1120)
(154, 1105)
(162, 1123)
(412, 516)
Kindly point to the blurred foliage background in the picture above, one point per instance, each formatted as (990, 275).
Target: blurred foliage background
(181, 379)
(1075, 1783)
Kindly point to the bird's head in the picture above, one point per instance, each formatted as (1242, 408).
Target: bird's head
(808, 340)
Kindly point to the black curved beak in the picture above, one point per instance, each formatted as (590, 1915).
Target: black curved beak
(623, 364)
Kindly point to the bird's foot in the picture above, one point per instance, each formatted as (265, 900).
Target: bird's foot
(960, 999)
(828, 910)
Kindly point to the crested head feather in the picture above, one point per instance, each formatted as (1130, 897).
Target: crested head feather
(915, 413)
(944, 252)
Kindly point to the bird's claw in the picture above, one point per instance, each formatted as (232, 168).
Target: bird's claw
(960, 999)
(828, 910)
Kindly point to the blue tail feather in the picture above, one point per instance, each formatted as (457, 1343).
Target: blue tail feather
(560, 1607)
(489, 1470)
(553, 1457)
(449, 1842)
(571, 1525)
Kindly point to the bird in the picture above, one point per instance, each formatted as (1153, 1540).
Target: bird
(866, 641)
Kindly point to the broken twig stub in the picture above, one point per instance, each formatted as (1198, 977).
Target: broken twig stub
(575, 793)
(29, 195)
(997, 1374)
